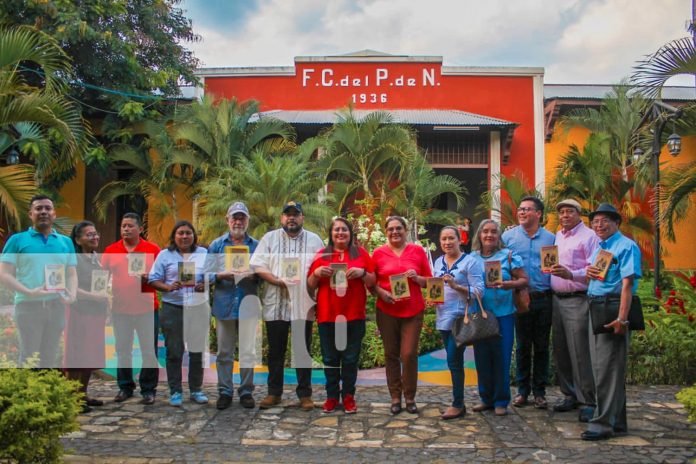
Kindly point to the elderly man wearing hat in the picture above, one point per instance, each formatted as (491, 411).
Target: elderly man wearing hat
(571, 339)
(282, 259)
(236, 308)
(609, 351)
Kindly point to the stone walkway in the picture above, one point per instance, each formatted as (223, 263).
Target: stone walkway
(130, 432)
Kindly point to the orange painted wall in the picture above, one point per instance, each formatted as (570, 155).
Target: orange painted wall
(510, 98)
(678, 255)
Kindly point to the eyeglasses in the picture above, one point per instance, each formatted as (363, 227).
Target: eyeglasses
(92, 235)
(525, 210)
(601, 222)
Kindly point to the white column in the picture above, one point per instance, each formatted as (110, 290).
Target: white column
(494, 174)
(539, 161)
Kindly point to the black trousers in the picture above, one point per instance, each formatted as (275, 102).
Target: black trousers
(532, 330)
(277, 333)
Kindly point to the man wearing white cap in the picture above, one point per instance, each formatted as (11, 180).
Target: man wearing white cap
(236, 307)
(571, 351)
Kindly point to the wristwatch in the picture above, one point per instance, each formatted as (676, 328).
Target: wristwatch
(623, 323)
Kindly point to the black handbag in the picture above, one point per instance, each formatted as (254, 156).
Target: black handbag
(475, 327)
(605, 309)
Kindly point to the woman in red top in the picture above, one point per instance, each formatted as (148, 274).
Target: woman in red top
(400, 320)
(340, 272)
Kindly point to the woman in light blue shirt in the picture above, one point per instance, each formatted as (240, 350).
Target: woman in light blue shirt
(463, 278)
(178, 273)
(493, 356)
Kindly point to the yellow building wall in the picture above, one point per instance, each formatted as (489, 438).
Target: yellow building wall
(73, 196)
(677, 255)
(159, 231)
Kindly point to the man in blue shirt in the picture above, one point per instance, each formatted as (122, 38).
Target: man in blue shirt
(609, 351)
(237, 309)
(534, 327)
(39, 309)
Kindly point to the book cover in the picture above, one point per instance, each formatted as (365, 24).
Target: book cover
(435, 290)
(100, 281)
(136, 264)
(399, 286)
(602, 262)
(494, 272)
(187, 273)
(55, 277)
(339, 278)
(549, 258)
(237, 258)
(290, 269)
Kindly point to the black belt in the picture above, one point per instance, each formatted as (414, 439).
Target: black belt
(538, 295)
(570, 294)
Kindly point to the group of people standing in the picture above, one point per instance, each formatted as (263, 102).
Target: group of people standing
(329, 284)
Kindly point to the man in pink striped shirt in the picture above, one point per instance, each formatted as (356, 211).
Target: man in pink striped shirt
(571, 338)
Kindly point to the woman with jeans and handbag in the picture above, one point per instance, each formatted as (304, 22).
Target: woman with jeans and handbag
(178, 273)
(463, 277)
(340, 272)
(609, 351)
(493, 356)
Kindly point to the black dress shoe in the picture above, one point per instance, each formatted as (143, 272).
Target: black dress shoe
(86, 409)
(568, 404)
(395, 408)
(411, 408)
(586, 414)
(122, 396)
(596, 436)
(224, 402)
(148, 399)
(247, 401)
(94, 402)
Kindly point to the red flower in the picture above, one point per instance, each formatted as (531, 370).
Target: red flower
(670, 301)
(692, 281)
(8, 331)
(680, 303)
(691, 318)
(668, 311)
(672, 293)
(658, 292)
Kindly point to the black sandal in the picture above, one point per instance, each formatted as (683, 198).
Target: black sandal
(395, 408)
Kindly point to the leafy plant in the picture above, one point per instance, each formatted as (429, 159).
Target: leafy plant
(36, 409)
(688, 398)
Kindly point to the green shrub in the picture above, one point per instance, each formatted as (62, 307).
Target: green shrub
(664, 352)
(36, 409)
(688, 398)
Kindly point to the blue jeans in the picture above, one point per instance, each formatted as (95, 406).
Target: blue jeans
(493, 364)
(455, 363)
(341, 366)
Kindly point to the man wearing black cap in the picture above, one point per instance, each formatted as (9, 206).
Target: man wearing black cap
(282, 260)
(571, 340)
(610, 350)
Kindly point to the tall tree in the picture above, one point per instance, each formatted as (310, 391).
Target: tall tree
(35, 117)
(512, 189)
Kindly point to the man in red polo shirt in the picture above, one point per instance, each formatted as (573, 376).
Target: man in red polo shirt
(129, 261)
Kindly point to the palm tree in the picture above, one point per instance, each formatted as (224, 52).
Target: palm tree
(272, 175)
(679, 183)
(35, 116)
(673, 58)
(159, 165)
(620, 118)
(17, 186)
(420, 187)
(364, 158)
(591, 176)
(221, 132)
(512, 190)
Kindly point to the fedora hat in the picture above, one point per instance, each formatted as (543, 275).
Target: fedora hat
(607, 210)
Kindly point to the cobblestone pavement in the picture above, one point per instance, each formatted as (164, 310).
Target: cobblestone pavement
(131, 432)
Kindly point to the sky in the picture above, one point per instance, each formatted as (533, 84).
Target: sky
(576, 42)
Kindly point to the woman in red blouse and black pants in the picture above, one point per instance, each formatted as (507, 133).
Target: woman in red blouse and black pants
(340, 272)
(400, 321)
